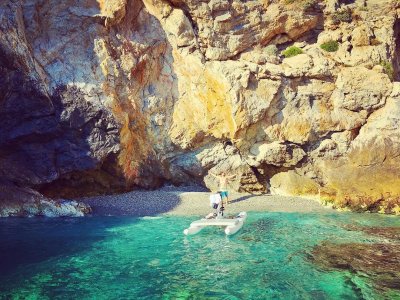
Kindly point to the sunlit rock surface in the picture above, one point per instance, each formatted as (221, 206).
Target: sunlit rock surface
(106, 96)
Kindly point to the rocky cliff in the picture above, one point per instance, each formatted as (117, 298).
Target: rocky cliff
(294, 96)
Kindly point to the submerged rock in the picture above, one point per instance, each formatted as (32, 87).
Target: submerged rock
(392, 233)
(380, 263)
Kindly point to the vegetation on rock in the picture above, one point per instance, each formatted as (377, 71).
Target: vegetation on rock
(292, 51)
(344, 15)
(306, 4)
(330, 46)
(388, 68)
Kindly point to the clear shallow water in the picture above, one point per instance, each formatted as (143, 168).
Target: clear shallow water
(150, 258)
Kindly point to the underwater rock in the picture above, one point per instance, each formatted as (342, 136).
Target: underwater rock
(392, 233)
(380, 263)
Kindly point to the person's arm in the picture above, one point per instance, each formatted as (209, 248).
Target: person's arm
(232, 176)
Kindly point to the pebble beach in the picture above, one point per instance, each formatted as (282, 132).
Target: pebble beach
(194, 201)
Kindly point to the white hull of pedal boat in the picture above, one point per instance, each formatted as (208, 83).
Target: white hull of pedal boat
(232, 229)
(231, 225)
(193, 230)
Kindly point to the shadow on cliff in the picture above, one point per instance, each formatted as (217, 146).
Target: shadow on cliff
(62, 138)
(87, 149)
(60, 145)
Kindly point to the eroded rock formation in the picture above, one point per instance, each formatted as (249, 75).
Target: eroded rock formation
(103, 96)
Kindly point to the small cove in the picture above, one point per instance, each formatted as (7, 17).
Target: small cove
(149, 258)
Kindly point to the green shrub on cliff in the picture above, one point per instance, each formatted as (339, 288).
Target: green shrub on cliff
(305, 4)
(344, 15)
(388, 68)
(331, 46)
(292, 51)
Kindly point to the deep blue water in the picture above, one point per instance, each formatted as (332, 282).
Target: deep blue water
(150, 258)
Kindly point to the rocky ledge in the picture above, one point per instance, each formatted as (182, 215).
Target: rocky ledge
(25, 202)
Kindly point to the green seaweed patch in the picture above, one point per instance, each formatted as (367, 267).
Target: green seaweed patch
(292, 51)
(330, 46)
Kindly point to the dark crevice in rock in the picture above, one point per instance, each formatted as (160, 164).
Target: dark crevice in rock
(355, 132)
(268, 171)
(186, 11)
(262, 178)
(311, 37)
(350, 48)
(374, 207)
(346, 2)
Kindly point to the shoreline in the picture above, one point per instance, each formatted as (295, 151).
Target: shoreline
(192, 202)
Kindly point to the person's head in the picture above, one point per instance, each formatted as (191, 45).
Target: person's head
(223, 174)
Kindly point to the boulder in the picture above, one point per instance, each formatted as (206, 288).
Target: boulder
(277, 154)
(360, 89)
(290, 183)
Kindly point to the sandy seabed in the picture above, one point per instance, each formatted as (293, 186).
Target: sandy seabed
(194, 201)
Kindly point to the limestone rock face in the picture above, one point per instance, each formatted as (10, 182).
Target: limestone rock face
(361, 89)
(104, 96)
(371, 162)
(276, 154)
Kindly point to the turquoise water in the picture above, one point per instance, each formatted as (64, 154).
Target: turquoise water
(150, 258)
